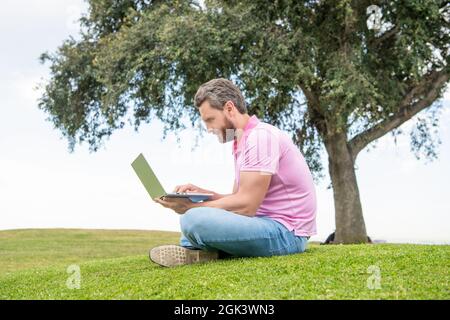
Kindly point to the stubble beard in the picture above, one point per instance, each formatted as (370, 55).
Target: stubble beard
(228, 133)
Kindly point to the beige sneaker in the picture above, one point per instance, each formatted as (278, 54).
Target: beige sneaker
(173, 255)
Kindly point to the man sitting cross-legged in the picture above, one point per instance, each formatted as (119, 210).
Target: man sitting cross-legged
(272, 209)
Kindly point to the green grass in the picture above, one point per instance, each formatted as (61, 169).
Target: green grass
(31, 248)
(114, 265)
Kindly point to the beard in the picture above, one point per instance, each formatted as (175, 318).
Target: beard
(227, 133)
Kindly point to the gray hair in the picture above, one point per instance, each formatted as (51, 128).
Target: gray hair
(218, 92)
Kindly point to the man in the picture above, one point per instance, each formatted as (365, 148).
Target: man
(272, 209)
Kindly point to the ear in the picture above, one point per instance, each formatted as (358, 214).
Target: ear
(229, 107)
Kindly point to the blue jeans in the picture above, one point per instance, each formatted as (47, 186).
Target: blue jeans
(236, 235)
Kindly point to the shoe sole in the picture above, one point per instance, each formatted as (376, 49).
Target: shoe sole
(172, 256)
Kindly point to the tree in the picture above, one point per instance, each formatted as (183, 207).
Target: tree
(336, 74)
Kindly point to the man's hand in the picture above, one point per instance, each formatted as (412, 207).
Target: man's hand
(190, 188)
(193, 188)
(179, 205)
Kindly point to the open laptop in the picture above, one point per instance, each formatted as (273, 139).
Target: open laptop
(154, 187)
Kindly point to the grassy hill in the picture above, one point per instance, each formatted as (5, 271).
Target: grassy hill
(114, 265)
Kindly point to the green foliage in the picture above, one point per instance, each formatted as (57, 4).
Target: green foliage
(322, 272)
(150, 58)
(424, 136)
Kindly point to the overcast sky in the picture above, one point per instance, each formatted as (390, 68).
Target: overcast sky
(42, 185)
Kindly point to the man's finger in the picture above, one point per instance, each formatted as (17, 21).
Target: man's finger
(188, 188)
(181, 188)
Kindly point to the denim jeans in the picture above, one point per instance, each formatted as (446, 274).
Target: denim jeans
(236, 235)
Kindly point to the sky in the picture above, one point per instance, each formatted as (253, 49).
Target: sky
(42, 185)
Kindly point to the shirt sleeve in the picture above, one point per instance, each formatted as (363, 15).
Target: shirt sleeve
(261, 152)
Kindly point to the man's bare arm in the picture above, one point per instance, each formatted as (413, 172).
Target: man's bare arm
(246, 200)
(218, 196)
(193, 188)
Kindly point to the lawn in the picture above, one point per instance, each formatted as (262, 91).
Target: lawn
(114, 264)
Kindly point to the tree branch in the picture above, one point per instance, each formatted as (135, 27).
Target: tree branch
(429, 87)
(315, 114)
(386, 35)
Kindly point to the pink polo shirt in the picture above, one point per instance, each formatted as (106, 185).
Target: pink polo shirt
(291, 197)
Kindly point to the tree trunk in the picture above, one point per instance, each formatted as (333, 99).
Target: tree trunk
(350, 226)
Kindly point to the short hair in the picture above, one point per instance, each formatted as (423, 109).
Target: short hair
(218, 92)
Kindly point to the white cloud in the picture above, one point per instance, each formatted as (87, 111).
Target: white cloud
(26, 13)
(23, 87)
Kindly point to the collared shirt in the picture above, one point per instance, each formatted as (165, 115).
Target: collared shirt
(291, 196)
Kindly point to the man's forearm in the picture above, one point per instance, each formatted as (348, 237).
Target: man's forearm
(235, 202)
(217, 196)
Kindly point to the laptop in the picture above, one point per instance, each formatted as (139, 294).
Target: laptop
(154, 187)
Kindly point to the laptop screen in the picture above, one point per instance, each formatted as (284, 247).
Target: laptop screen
(148, 177)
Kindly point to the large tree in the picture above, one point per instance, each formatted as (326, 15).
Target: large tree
(336, 74)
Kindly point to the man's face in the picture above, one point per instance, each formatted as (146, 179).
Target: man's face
(216, 122)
